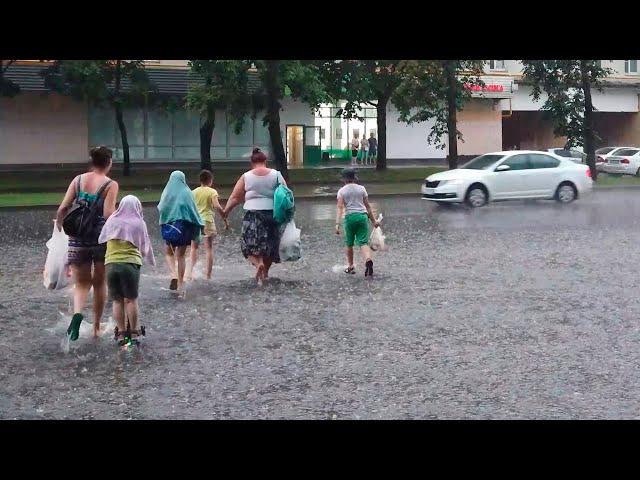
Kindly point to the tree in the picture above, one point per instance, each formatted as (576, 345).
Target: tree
(568, 85)
(298, 79)
(364, 82)
(7, 87)
(224, 85)
(116, 83)
(437, 90)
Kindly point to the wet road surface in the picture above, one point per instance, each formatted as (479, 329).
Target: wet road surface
(515, 310)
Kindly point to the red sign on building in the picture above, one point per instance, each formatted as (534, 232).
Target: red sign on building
(484, 88)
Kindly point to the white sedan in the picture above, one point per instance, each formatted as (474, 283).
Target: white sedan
(511, 175)
(624, 160)
(602, 154)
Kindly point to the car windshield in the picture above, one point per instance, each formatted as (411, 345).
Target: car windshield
(604, 151)
(482, 162)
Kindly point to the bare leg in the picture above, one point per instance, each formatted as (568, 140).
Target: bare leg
(258, 262)
(267, 265)
(350, 256)
(194, 259)
(171, 261)
(118, 314)
(208, 245)
(182, 263)
(131, 307)
(82, 279)
(365, 251)
(99, 295)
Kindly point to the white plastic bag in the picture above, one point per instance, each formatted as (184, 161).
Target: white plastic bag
(290, 243)
(56, 271)
(376, 239)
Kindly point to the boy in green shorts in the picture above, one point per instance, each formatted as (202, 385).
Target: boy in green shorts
(353, 203)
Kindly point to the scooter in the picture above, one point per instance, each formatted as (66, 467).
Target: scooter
(127, 340)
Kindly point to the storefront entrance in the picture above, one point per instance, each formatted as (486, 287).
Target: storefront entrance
(295, 145)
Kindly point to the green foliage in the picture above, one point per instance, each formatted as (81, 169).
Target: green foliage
(224, 86)
(297, 79)
(97, 82)
(422, 93)
(562, 81)
(360, 83)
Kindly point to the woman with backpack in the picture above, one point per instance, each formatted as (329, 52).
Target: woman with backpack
(180, 223)
(89, 201)
(260, 232)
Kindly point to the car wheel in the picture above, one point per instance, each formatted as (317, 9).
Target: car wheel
(476, 196)
(566, 193)
(638, 173)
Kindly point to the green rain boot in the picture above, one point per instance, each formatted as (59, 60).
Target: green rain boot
(74, 326)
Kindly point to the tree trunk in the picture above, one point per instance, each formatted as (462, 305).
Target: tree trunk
(452, 127)
(126, 167)
(273, 90)
(206, 135)
(381, 113)
(589, 140)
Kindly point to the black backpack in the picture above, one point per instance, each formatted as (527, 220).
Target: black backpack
(81, 221)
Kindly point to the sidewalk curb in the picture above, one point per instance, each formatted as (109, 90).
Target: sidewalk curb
(319, 196)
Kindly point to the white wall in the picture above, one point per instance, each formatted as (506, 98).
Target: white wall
(409, 141)
(37, 128)
(294, 112)
(610, 100)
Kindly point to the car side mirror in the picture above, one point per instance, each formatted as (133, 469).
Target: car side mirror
(502, 168)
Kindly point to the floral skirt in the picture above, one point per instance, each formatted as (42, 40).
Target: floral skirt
(260, 235)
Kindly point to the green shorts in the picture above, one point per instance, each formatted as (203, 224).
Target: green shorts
(356, 229)
(123, 280)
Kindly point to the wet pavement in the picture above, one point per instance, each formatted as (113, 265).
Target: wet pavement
(516, 310)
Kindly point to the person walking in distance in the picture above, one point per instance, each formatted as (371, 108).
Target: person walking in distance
(373, 149)
(364, 146)
(355, 143)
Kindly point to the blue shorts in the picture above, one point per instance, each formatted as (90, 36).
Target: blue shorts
(179, 233)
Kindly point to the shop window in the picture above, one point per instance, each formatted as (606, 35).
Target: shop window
(631, 67)
(102, 127)
(496, 64)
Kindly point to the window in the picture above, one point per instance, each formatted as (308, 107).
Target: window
(338, 133)
(322, 133)
(496, 64)
(604, 151)
(627, 152)
(631, 67)
(561, 152)
(518, 162)
(543, 161)
(482, 162)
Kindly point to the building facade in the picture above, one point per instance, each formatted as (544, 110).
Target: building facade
(39, 127)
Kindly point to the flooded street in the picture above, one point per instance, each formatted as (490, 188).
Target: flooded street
(515, 310)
